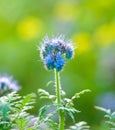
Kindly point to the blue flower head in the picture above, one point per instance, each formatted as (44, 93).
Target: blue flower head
(55, 51)
(7, 84)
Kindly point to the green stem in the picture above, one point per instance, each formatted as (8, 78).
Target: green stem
(58, 95)
(62, 119)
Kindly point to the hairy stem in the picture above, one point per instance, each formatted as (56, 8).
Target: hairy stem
(58, 96)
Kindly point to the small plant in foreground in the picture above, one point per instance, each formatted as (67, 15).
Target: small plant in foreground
(54, 53)
(13, 108)
(13, 111)
(110, 117)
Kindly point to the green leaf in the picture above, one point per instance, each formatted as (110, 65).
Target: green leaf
(103, 109)
(42, 112)
(77, 95)
(50, 82)
(52, 125)
(79, 126)
(45, 95)
(69, 110)
(110, 117)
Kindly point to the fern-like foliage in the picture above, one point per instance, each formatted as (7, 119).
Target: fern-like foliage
(46, 95)
(76, 96)
(67, 106)
(45, 119)
(13, 111)
(79, 126)
(110, 117)
(69, 103)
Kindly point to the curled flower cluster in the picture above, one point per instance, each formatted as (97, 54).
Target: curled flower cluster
(55, 51)
(7, 84)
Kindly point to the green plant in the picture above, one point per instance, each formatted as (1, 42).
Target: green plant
(110, 117)
(13, 111)
(55, 53)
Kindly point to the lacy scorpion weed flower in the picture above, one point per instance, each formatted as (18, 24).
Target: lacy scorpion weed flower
(7, 84)
(54, 52)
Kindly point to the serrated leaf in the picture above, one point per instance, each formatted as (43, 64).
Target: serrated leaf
(42, 112)
(45, 95)
(103, 109)
(79, 126)
(69, 110)
(50, 82)
(53, 125)
(77, 95)
(110, 117)
(71, 115)
(43, 92)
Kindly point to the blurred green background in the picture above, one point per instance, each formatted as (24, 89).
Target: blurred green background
(91, 26)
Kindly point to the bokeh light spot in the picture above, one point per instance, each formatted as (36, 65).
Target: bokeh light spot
(65, 10)
(105, 34)
(29, 28)
(83, 41)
